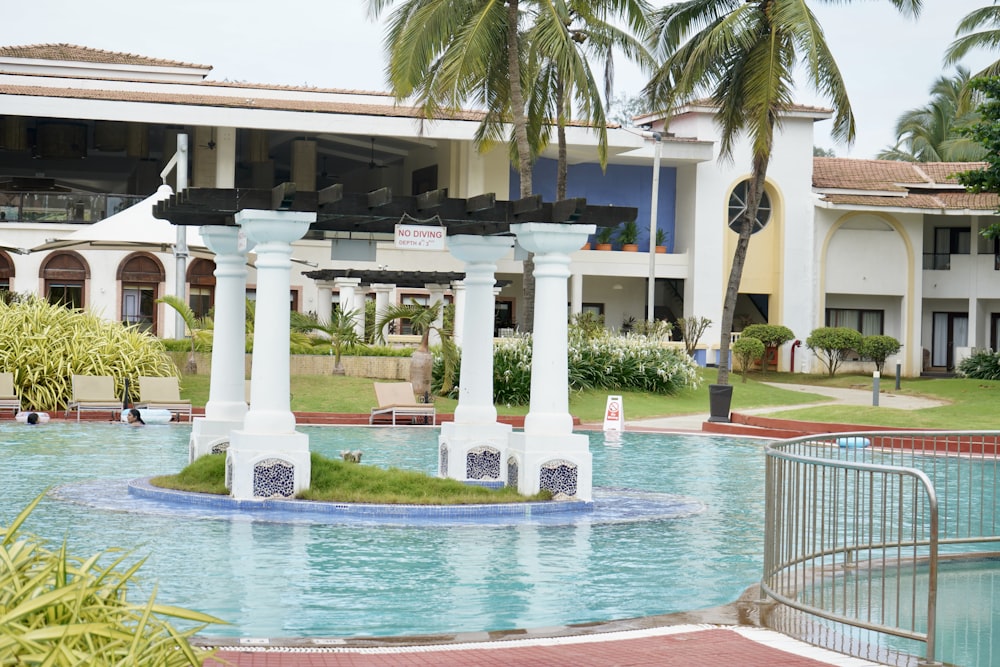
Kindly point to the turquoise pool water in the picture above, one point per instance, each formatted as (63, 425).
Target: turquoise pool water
(311, 580)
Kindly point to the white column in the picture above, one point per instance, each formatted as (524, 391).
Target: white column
(458, 297)
(226, 407)
(974, 333)
(268, 457)
(324, 300)
(383, 294)
(436, 296)
(359, 305)
(474, 446)
(547, 454)
(576, 293)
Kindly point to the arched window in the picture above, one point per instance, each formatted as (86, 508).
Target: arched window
(738, 206)
(6, 273)
(140, 275)
(201, 286)
(65, 275)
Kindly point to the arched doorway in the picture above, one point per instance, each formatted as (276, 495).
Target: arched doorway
(140, 275)
(201, 286)
(65, 277)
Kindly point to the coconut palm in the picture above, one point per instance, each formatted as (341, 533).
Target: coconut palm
(423, 320)
(931, 133)
(967, 39)
(743, 55)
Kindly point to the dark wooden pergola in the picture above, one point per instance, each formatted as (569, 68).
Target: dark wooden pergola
(398, 278)
(379, 211)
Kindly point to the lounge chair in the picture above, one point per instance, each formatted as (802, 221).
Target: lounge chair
(396, 399)
(9, 400)
(94, 392)
(163, 393)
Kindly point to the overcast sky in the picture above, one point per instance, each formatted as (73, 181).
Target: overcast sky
(889, 62)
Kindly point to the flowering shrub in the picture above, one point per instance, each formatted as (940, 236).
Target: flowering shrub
(595, 362)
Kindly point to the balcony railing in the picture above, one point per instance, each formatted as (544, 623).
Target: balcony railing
(63, 207)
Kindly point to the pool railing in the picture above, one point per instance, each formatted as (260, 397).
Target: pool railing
(856, 525)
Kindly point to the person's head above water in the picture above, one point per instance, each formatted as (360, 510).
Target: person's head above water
(135, 418)
(32, 418)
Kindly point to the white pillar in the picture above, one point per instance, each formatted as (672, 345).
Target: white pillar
(547, 454)
(458, 298)
(436, 296)
(359, 305)
(226, 407)
(383, 293)
(268, 456)
(576, 293)
(324, 300)
(474, 446)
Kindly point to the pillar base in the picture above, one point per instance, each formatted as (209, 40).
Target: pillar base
(267, 465)
(558, 463)
(473, 452)
(210, 436)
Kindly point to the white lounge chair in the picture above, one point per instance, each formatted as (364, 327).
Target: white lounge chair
(163, 393)
(396, 399)
(94, 392)
(9, 400)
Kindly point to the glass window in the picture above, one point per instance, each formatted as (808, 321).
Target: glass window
(738, 207)
(65, 294)
(200, 299)
(868, 322)
(139, 305)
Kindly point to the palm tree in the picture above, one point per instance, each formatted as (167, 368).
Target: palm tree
(200, 330)
(968, 40)
(931, 133)
(743, 54)
(340, 329)
(423, 320)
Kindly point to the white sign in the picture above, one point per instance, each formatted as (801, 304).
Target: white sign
(614, 414)
(420, 237)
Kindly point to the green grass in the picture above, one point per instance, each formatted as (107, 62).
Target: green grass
(971, 404)
(338, 481)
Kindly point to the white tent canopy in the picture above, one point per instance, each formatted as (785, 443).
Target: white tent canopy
(133, 228)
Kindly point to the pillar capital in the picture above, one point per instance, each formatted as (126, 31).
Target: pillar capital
(551, 237)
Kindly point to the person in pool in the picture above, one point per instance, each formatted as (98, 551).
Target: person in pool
(32, 418)
(134, 418)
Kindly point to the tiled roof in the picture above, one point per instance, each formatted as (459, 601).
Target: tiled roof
(386, 110)
(920, 185)
(74, 53)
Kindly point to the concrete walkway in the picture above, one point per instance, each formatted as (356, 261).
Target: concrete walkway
(833, 395)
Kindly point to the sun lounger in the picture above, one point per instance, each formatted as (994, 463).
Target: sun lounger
(163, 393)
(9, 399)
(94, 392)
(396, 399)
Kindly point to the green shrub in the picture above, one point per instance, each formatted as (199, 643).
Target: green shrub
(61, 610)
(771, 335)
(981, 365)
(833, 344)
(747, 351)
(878, 348)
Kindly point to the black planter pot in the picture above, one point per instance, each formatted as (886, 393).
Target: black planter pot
(720, 399)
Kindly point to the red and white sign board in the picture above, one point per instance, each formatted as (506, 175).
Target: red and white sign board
(420, 237)
(614, 415)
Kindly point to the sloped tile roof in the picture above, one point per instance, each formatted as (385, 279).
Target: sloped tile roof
(74, 53)
(922, 185)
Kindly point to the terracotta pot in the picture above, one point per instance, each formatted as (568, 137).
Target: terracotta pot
(603, 246)
(630, 247)
(661, 250)
(586, 246)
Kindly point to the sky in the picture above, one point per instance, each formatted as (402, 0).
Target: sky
(889, 62)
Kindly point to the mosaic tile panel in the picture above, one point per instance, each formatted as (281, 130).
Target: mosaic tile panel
(482, 463)
(512, 472)
(558, 476)
(443, 460)
(220, 447)
(273, 477)
(229, 472)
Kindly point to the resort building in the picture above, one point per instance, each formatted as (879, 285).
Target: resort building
(85, 135)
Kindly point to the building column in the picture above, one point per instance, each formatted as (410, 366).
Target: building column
(547, 454)
(324, 300)
(575, 293)
(474, 446)
(268, 457)
(383, 295)
(458, 297)
(436, 296)
(346, 289)
(226, 406)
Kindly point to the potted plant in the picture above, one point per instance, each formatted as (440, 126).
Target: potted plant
(628, 235)
(661, 241)
(603, 238)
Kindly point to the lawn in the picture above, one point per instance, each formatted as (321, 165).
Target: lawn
(972, 404)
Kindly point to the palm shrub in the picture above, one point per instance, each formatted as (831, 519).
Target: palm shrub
(748, 350)
(878, 348)
(338, 331)
(45, 344)
(980, 365)
(833, 344)
(61, 610)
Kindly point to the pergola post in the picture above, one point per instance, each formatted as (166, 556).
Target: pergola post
(346, 288)
(473, 447)
(547, 454)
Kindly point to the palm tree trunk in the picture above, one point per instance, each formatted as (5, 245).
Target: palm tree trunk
(754, 193)
(561, 170)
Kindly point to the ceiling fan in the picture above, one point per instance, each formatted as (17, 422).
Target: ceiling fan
(372, 164)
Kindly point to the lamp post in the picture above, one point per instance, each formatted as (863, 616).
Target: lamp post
(651, 293)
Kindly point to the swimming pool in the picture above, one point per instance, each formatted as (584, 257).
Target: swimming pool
(312, 580)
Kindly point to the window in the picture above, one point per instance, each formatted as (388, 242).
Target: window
(868, 322)
(65, 274)
(201, 287)
(738, 207)
(140, 275)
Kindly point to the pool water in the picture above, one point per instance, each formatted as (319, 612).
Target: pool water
(313, 580)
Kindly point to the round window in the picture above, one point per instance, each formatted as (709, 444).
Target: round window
(738, 206)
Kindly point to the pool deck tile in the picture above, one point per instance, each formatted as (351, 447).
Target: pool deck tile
(684, 646)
